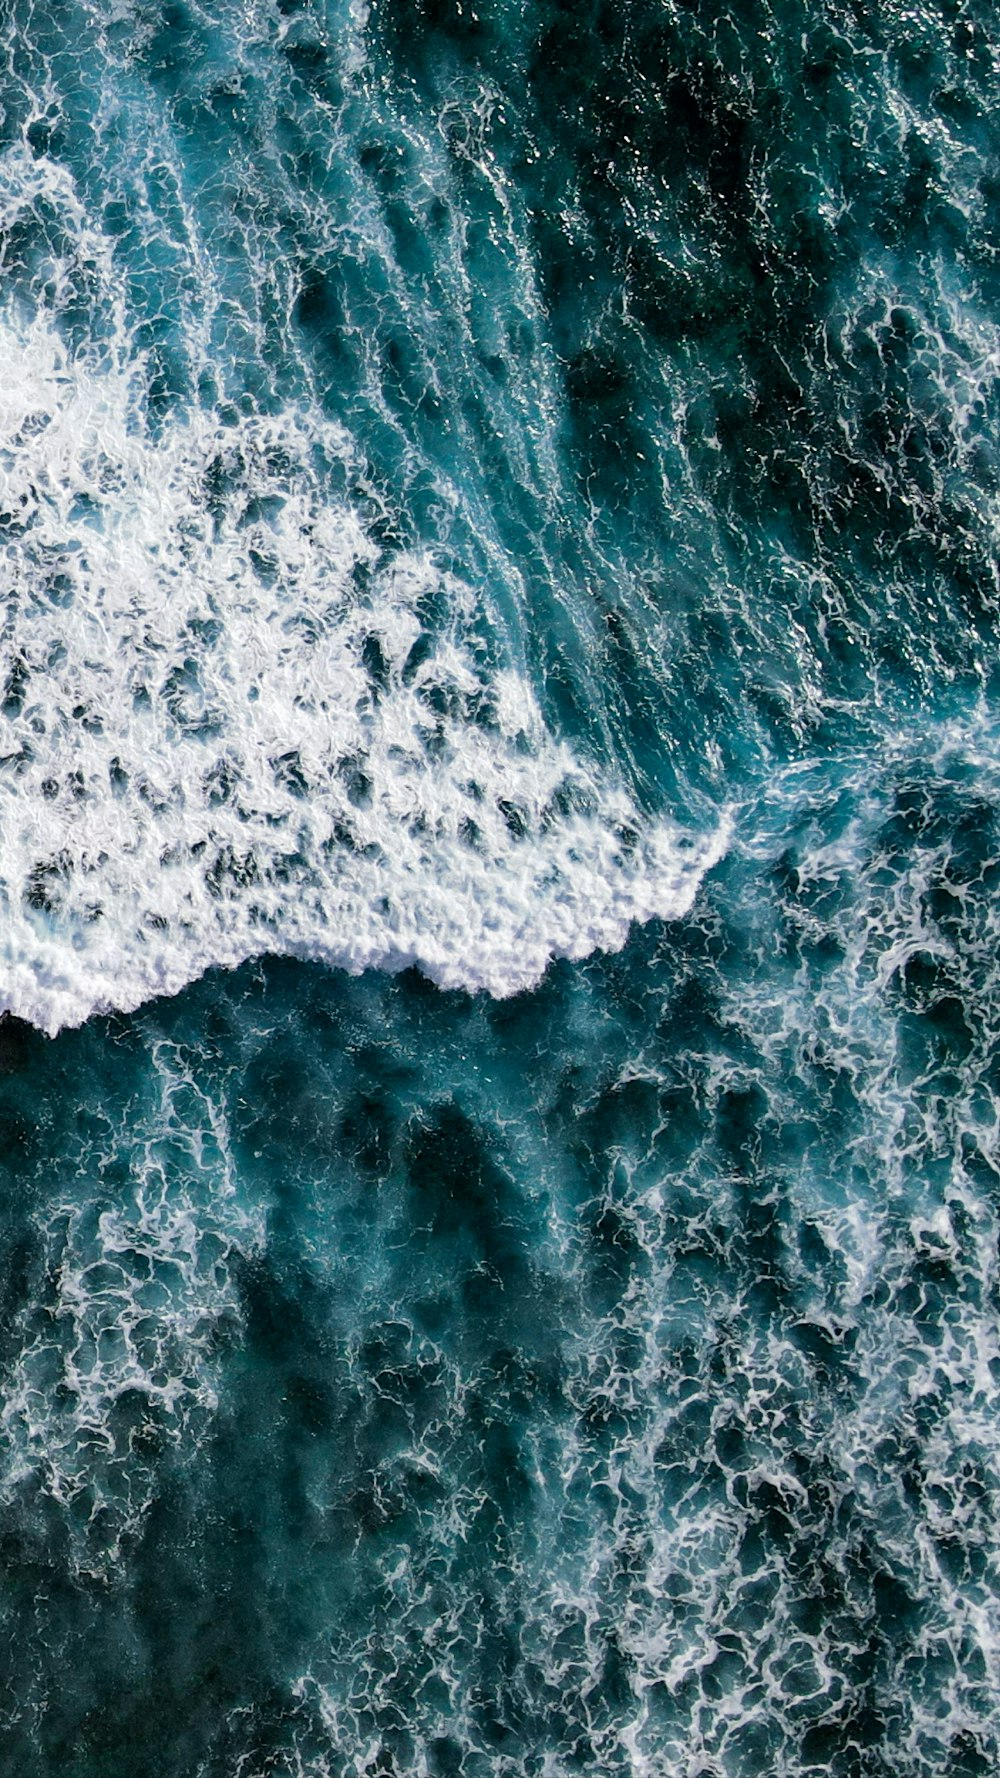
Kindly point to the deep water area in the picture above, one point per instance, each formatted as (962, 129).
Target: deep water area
(499, 866)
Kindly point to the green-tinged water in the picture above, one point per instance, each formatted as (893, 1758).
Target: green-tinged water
(499, 841)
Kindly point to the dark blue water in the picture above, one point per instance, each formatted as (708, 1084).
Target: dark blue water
(499, 850)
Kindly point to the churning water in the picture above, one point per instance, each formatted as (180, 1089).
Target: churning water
(499, 852)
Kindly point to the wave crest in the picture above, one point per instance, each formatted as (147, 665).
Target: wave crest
(229, 725)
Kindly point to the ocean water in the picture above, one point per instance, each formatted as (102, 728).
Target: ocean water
(499, 867)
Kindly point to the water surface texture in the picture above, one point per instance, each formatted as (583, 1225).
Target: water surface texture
(499, 851)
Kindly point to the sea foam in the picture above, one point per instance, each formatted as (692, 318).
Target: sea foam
(227, 729)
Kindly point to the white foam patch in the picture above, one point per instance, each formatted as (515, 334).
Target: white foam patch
(216, 740)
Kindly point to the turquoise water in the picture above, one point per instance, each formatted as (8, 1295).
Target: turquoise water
(500, 817)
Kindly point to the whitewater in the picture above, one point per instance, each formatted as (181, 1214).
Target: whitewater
(229, 727)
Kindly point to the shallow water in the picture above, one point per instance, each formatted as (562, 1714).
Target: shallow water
(499, 796)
